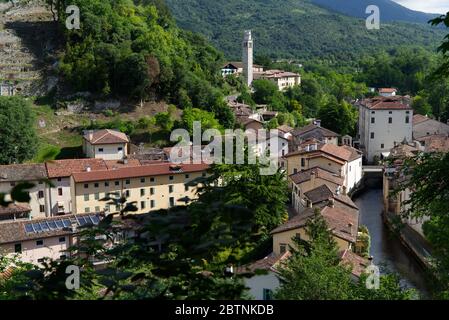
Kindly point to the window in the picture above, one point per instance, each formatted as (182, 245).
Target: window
(186, 187)
(170, 178)
(282, 248)
(373, 120)
(86, 210)
(172, 201)
(97, 209)
(106, 184)
(63, 257)
(61, 239)
(39, 242)
(170, 189)
(117, 183)
(372, 135)
(127, 181)
(120, 148)
(142, 180)
(40, 260)
(382, 146)
(390, 120)
(97, 196)
(96, 185)
(298, 236)
(303, 162)
(267, 294)
(407, 119)
(59, 191)
(86, 197)
(152, 191)
(42, 208)
(18, 248)
(373, 112)
(127, 193)
(142, 192)
(151, 179)
(142, 205)
(100, 149)
(204, 174)
(86, 186)
(152, 203)
(391, 112)
(40, 194)
(59, 179)
(295, 171)
(187, 176)
(12, 184)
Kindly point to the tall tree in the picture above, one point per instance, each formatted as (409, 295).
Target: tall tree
(18, 138)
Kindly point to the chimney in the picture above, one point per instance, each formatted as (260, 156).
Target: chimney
(309, 204)
(312, 178)
(338, 190)
(317, 122)
(332, 203)
(345, 190)
(90, 135)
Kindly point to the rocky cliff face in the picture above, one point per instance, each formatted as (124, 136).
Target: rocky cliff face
(27, 46)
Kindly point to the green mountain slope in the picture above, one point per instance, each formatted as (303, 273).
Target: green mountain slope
(295, 29)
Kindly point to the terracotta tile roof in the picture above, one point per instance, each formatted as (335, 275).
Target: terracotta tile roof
(337, 218)
(285, 128)
(140, 171)
(356, 262)
(324, 194)
(14, 208)
(355, 154)
(314, 131)
(106, 136)
(11, 232)
(269, 263)
(65, 168)
(387, 103)
(387, 90)
(343, 223)
(22, 172)
(437, 144)
(276, 74)
(403, 151)
(115, 164)
(305, 175)
(6, 274)
(419, 118)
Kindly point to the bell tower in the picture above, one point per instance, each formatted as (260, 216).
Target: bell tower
(247, 60)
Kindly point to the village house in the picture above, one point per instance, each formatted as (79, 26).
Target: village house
(151, 187)
(344, 161)
(283, 79)
(384, 121)
(105, 144)
(387, 92)
(343, 221)
(424, 126)
(36, 174)
(236, 68)
(313, 131)
(59, 172)
(35, 240)
(15, 212)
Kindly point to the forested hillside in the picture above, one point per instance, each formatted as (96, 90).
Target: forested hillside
(295, 29)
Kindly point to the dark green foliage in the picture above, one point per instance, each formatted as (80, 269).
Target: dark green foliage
(295, 29)
(339, 117)
(18, 140)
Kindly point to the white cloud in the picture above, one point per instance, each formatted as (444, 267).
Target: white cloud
(432, 6)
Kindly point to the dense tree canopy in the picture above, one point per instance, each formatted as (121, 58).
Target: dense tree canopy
(18, 140)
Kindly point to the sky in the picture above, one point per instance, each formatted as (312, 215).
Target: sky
(431, 6)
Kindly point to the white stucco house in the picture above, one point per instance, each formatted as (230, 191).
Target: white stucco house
(384, 121)
(105, 144)
(387, 92)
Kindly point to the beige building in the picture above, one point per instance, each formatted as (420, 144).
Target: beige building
(343, 221)
(12, 175)
(151, 187)
(105, 144)
(283, 79)
(313, 131)
(344, 161)
(35, 240)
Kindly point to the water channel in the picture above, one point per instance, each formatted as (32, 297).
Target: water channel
(386, 249)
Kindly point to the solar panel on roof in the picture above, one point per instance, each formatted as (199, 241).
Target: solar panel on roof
(52, 225)
(44, 226)
(59, 224)
(37, 227)
(29, 228)
(95, 219)
(66, 223)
